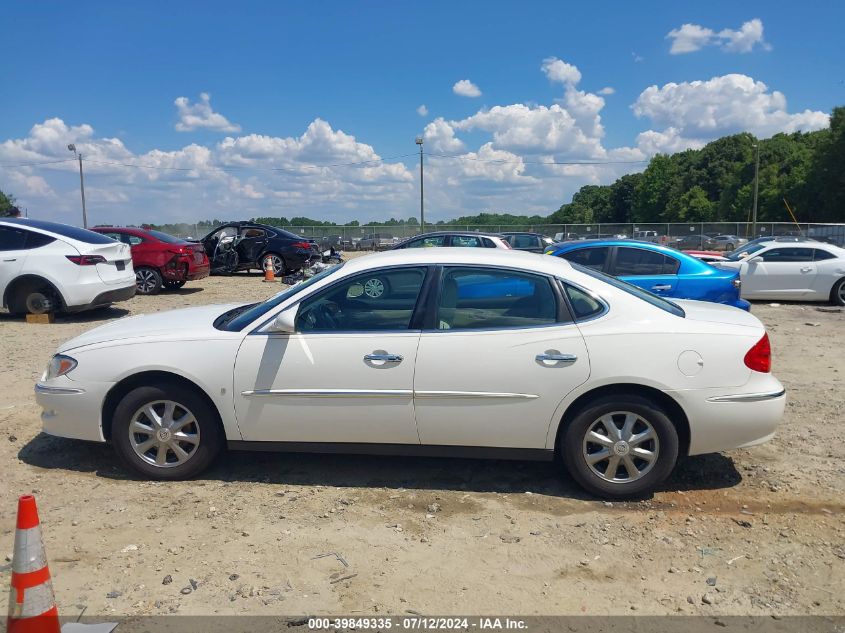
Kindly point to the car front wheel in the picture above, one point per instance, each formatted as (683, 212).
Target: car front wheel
(166, 432)
(837, 295)
(620, 446)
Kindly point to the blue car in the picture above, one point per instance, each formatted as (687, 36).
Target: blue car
(658, 269)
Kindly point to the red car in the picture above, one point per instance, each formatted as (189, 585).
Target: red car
(160, 260)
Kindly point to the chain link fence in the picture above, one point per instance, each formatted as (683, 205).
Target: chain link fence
(705, 236)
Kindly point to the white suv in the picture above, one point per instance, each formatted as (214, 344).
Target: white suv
(51, 267)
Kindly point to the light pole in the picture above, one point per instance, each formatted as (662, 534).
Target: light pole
(756, 188)
(72, 148)
(419, 142)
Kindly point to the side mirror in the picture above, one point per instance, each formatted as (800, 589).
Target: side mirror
(285, 321)
(755, 260)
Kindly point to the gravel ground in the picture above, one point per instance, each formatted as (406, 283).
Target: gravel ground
(759, 531)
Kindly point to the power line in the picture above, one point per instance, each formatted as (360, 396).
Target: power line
(47, 162)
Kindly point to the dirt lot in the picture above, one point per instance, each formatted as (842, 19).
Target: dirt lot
(752, 532)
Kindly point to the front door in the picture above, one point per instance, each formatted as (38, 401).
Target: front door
(346, 375)
(779, 273)
(499, 361)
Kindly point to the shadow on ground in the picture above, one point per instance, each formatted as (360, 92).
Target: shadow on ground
(706, 472)
(90, 316)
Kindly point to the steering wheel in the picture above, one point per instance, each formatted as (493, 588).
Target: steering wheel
(326, 316)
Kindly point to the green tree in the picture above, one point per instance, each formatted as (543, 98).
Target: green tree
(7, 203)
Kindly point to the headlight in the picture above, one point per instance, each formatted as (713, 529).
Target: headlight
(59, 366)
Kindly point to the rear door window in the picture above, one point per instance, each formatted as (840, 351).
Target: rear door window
(482, 298)
(821, 255)
(595, 257)
(426, 242)
(470, 241)
(641, 262)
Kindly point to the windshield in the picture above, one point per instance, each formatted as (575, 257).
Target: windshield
(745, 251)
(657, 302)
(237, 319)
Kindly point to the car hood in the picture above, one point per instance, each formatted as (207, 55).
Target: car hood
(168, 325)
(717, 313)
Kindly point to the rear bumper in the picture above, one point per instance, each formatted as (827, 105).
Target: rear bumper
(105, 298)
(199, 271)
(722, 421)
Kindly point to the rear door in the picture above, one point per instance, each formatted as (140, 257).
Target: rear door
(498, 361)
(779, 272)
(12, 255)
(650, 270)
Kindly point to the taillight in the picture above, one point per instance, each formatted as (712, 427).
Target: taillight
(87, 260)
(305, 245)
(759, 357)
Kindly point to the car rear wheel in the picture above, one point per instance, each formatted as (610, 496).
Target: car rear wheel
(148, 281)
(173, 284)
(620, 446)
(166, 432)
(33, 299)
(278, 263)
(837, 295)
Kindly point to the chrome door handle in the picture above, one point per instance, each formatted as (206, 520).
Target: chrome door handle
(387, 358)
(661, 287)
(555, 358)
(14, 259)
(806, 270)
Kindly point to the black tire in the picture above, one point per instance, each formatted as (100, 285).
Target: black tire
(173, 284)
(280, 268)
(574, 447)
(148, 281)
(210, 435)
(837, 293)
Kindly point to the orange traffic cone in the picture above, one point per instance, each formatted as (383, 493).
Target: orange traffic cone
(269, 272)
(32, 604)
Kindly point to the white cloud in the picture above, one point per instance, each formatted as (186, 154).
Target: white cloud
(439, 136)
(723, 105)
(199, 115)
(689, 38)
(668, 141)
(465, 88)
(422, 110)
(561, 72)
(607, 90)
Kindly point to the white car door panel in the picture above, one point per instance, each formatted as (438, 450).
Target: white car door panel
(494, 370)
(12, 255)
(323, 388)
(465, 398)
(779, 273)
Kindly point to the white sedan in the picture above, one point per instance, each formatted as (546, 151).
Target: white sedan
(52, 267)
(800, 271)
(480, 352)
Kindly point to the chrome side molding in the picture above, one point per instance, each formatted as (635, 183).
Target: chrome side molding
(748, 397)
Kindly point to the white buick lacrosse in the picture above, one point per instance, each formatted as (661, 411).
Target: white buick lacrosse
(444, 351)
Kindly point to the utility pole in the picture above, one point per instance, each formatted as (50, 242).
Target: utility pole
(756, 188)
(72, 148)
(419, 142)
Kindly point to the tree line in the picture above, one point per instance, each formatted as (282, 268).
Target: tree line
(805, 170)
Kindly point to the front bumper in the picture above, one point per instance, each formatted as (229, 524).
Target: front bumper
(721, 421)
(72, 410)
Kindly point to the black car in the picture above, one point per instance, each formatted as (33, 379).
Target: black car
(255, 242)
(454, 238)
(526, 241)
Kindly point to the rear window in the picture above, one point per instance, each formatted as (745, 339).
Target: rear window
(65, 230)
(657, 302)
(166, 237)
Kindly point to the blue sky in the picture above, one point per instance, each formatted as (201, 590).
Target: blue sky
(297, 86)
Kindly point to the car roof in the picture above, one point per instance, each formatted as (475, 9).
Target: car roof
(432, 233)
(460, 255)
(521, 233)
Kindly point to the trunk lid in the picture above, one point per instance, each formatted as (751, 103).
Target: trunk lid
(718, 313)
(118, 264)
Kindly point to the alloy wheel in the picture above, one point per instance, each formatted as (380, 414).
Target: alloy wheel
(278, 264)
(374, 288)
(621, 447)
(164, 433)
(145, 280)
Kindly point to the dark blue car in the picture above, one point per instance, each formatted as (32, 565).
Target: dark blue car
(658, 269)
